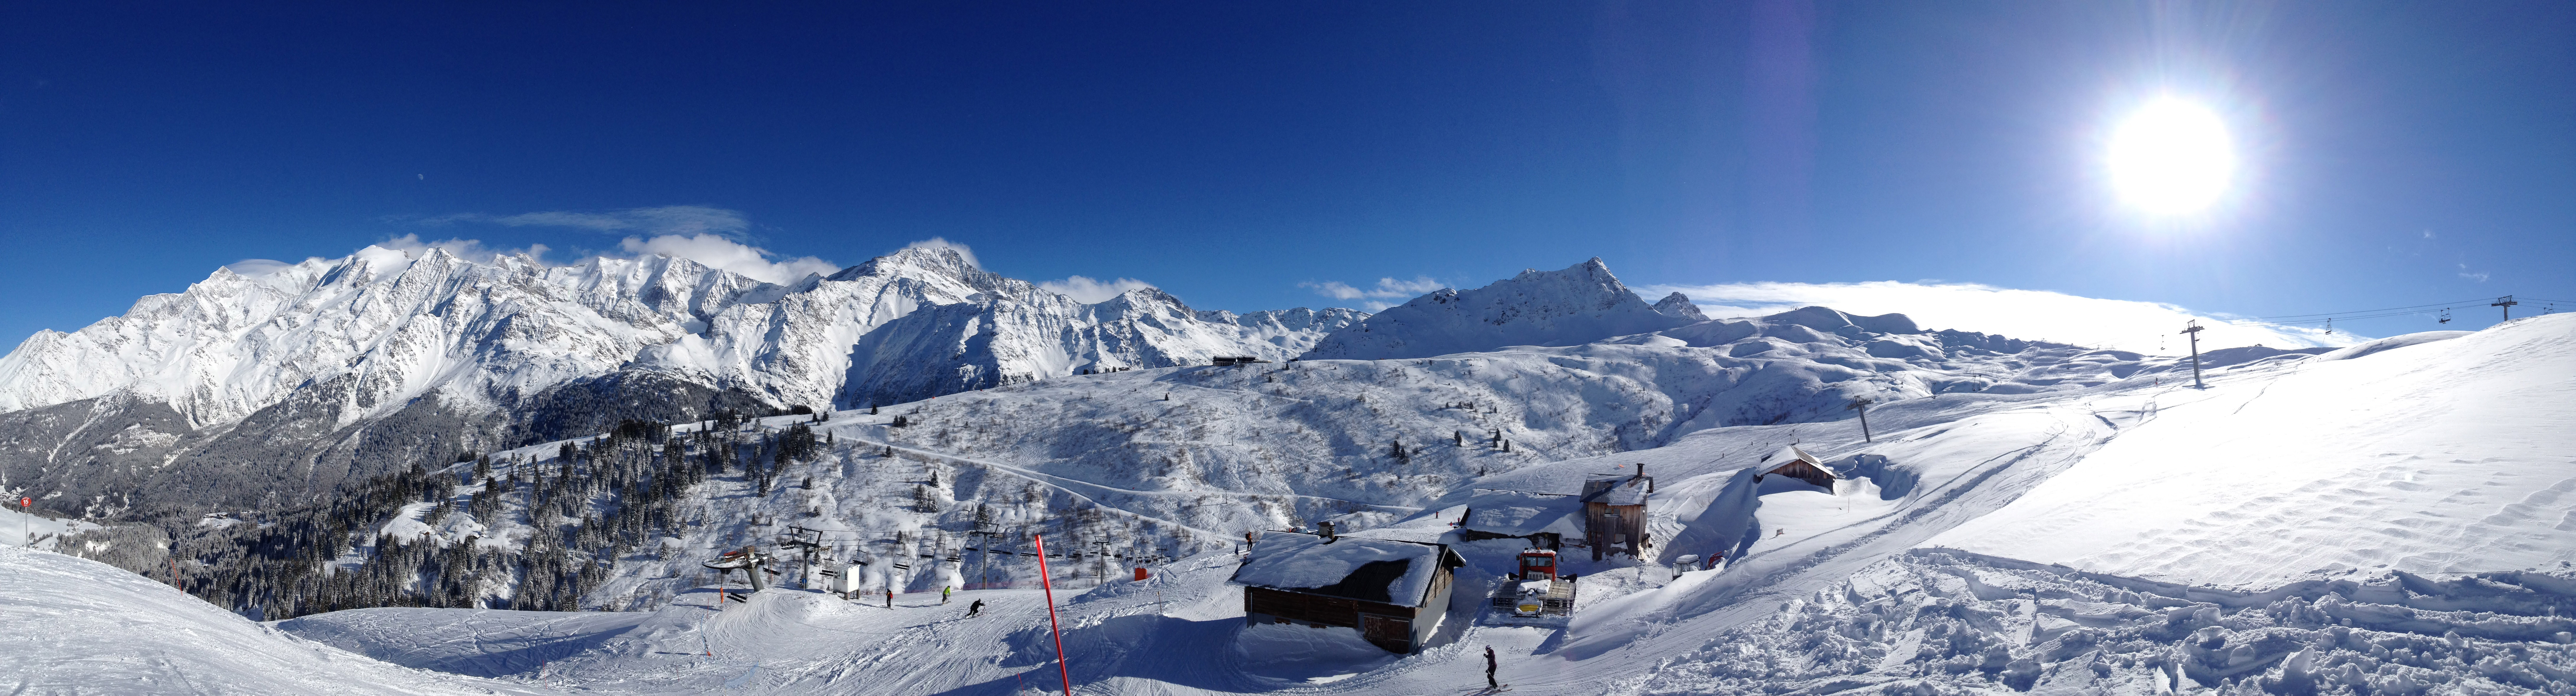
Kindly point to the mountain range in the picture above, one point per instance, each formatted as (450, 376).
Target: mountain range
(257, 388)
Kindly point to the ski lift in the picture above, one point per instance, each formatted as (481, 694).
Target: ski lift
(2329, 326)
(2446, 316)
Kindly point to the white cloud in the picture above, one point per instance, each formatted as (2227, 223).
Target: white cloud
(2146, 327)
(256, 268)
(704, 234)
(730, 255)
(661, 220)
(2479, 276)
(1335, 289)
(938, 243)
(1089, 290)
(1378, 297)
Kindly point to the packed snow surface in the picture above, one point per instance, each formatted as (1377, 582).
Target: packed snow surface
(80, 626)
(2445, 456)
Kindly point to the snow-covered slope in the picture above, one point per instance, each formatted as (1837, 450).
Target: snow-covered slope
(2437, 457)
(79, 626)
(388, 326)
(1581, 304)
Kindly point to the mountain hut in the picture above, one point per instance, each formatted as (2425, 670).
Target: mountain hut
(1392, 592)
(1802, 466)
(1614, 512)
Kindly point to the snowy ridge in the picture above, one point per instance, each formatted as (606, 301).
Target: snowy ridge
(396, 328)
(1581, 304)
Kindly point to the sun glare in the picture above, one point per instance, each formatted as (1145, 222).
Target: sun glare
(2171, 157)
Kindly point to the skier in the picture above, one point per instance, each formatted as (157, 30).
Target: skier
(889, 598)
(976, 608)
(943, 594)
(1490, 684)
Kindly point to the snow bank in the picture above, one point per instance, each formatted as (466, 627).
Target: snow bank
(474, 642)
(1297, 650)
(2372, 347)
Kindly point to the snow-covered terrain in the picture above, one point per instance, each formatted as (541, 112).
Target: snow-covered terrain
(82, 627)
(192, 401)
(18, 528)
(2395, 517)
(399, 327)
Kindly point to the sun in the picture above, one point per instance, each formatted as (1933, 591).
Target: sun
(2172, 157)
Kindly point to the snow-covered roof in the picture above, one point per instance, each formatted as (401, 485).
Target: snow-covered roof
(1376, 570)
(1791, 454)
(1617, 489)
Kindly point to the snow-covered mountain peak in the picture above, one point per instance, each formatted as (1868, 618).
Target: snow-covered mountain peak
(933, 264)
(1679, 306)
(1580, 304)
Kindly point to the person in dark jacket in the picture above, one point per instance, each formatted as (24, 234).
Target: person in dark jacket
(977, 607)
(1489, 669)
(889, 598)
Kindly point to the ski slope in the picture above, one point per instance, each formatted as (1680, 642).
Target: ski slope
(2447, 456)
(80, 626)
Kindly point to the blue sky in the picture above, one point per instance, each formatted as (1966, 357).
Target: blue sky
(1249, 155)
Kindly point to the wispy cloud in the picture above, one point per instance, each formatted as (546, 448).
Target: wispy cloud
(2146, 327)
(1377, 297)
(2477, 276)
(686, 220)
(719, 252)
(1088, 290)
(709, 235)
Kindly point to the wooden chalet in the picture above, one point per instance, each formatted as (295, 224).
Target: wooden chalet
(1799, 465)
(1393, 592)
(1614, 512)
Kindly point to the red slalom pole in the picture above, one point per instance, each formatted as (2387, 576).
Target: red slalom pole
(1048, 582)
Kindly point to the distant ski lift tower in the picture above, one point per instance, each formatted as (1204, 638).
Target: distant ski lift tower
(1862, 405)
(2507, 303)
(2193, 330)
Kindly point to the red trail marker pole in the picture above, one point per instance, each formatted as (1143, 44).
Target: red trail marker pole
(1048, 582)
